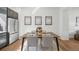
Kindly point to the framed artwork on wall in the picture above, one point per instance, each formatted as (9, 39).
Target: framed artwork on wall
(48, 20)
(77, 21)
(27, 20)
(38, 20)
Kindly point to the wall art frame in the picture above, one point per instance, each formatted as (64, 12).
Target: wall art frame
(27, 20)
(77, 21)
(38, 20)
(48, 20)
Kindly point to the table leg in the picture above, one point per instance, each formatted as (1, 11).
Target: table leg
(22, 44)
(57, 43)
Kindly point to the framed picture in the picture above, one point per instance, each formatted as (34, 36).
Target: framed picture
(38, 20)
(77, 21)
(48, 20)
(27, 20)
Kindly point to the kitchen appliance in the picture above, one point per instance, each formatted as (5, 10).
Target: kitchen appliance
(13, 26)
(9, 26)
(4, 39)
(3, 20)
(13, 29)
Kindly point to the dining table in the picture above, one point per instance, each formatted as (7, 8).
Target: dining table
(25, 36)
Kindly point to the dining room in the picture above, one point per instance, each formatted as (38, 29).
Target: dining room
(39, 28)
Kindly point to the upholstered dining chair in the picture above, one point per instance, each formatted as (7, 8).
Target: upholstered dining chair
(32, 43)
(49, 42)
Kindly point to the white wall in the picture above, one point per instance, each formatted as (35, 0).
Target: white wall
(73, 13)
(64, 23)
(62, 17)
(32, 11)
(67, 21)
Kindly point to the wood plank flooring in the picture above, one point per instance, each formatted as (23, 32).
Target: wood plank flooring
(16, 46)
(69, 45)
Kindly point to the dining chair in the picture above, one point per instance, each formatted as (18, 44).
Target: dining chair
(47, 42)
(32, 44)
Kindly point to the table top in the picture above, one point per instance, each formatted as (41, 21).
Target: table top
(48, 34)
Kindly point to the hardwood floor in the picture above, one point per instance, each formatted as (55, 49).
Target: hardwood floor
(16, 46)
(69, 45)
(65, 45)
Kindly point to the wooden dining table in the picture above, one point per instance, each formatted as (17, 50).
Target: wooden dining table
(40, 37)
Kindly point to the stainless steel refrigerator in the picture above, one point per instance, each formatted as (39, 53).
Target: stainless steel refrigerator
(4, 36)
(9, 26)
(13, 26)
